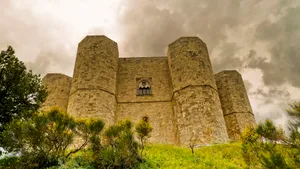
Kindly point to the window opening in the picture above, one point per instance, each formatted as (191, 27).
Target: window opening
(144, 88)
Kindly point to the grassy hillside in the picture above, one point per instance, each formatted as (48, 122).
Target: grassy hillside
(226, 156)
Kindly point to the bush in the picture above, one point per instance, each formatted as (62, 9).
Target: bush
(119, 149)
(43, 140)
(143, 130)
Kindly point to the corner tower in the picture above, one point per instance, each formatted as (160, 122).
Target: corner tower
(94, 79)
(195, 98)
(58, 88)
(235, 103)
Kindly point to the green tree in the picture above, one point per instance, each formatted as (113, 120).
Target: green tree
(44, 139)
(21, 92)
(143, 130)
(261, 144)
(293, 140)
(118, 149)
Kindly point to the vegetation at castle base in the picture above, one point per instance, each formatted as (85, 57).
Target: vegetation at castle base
(267, 145)
(226, 156)
(21, 92)
(143, 130)
(44, 139)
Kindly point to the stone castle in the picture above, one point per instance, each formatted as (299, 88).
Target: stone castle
(179, 94)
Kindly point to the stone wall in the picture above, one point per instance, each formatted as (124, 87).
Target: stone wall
(157, 106)
(153, 68)
(94, 80)
(58, 87)
(235, 103)
(160, 115)
(196, 102)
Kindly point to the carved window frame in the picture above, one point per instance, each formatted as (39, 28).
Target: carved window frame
(144, 86)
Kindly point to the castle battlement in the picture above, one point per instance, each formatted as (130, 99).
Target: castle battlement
(178, 93)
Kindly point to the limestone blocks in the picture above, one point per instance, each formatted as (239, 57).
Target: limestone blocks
(94, 80)
(235, 103)
(196, 102)
(58, 87)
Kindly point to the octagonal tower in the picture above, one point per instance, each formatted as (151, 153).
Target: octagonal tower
(58, 88)
(94, 80)
(195, 99)
(235, 103)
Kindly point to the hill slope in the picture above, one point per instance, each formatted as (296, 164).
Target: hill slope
(227, 156)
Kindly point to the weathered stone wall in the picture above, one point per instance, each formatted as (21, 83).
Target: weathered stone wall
(58, 87)
(160, 115)
(94, 80)
(196, 102)
(156, 68)
(157, 107)
(235, 103)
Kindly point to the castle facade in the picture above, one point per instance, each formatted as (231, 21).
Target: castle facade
(178, 94)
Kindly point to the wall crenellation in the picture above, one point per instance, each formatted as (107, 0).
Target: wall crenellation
(180, 95)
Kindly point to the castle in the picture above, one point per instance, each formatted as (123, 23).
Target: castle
(179, 94)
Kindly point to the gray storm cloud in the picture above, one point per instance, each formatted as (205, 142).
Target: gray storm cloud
(283, 39)
(37, 42)
(149, 26)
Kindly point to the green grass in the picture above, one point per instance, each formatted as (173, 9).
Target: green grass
(227, 156)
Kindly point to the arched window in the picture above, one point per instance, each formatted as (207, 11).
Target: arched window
(144, 88)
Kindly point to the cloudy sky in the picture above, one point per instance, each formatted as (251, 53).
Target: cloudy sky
(259, 38)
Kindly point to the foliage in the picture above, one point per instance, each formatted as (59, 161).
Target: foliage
(120, 150)
(9, 162)
(143, 130)
(293, 140)
(227, 156)
(43, 140)
(261, 144)
(21, 92)
(79, 161)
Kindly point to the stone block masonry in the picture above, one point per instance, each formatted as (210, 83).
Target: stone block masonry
(235, 103)
(58, 87)
(177, 93)
(197, 107)
(93, 91)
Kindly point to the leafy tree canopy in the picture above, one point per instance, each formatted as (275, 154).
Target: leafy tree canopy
(21, 92)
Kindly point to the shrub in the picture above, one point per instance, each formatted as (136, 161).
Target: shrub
(119, 149)
(143, 130)
(44, 139)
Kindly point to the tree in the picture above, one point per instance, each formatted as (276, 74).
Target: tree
(21, 92)
(293, 140)
(118, 149)
(143, 129)
(261, 144)
(44, 139)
